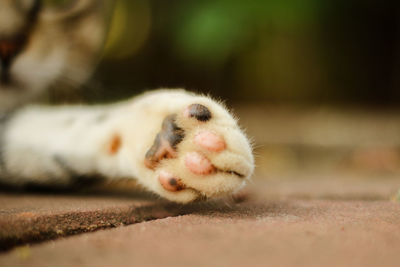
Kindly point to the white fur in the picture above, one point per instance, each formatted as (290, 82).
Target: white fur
(81, 136)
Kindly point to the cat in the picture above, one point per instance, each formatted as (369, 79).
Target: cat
(177, 144)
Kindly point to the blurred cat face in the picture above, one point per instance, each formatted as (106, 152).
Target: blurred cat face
(46, 43)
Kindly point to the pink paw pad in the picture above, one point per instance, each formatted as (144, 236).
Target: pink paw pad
(198, 164)
(169, 182)
(210, 141)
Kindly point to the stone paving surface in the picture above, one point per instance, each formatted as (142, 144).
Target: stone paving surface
(272, 223)
(30, 218)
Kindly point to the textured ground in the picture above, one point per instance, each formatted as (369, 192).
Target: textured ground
(319, 198)
(288, 223)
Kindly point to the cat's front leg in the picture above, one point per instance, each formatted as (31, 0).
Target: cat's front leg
(57, 146)
(178, 145)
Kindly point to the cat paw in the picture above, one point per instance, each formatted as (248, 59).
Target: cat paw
(199, 153)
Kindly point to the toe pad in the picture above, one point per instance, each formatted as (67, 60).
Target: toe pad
(210, 141)
(169, 182)
(198, 164)
(199, 112)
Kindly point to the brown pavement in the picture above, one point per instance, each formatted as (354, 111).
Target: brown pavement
(272, 224)
(31, 218)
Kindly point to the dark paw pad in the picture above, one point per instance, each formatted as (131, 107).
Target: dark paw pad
(199, 112)
(165, 143)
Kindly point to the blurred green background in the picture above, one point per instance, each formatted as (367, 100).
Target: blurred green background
(293, 51)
